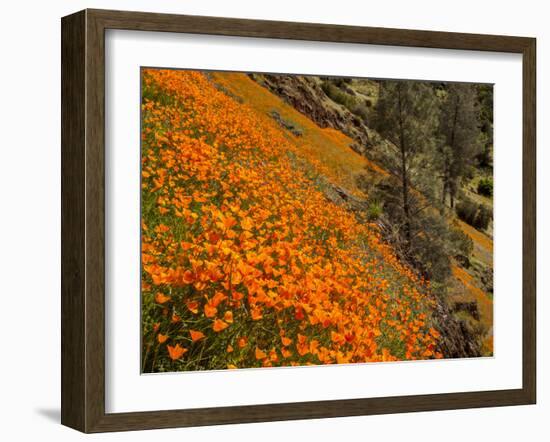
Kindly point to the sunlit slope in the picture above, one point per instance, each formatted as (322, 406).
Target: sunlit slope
(327, 145)
(245, 261)
(483, 245)
(468, 288)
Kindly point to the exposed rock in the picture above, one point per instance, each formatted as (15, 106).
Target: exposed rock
(468, 307)
(457, 340)
(347, 90)
(305, 94)
(341, 196)
(484, 275)
(464, 261)
(288, 125)
(487, 279)
(359, 148)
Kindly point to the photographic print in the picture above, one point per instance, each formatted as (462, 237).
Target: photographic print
(293, 220)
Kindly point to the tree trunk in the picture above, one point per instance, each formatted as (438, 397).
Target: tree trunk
(452, 170)
(445, 190)
(452, 200)
(405, 185)
(404, 175)
(453, 194)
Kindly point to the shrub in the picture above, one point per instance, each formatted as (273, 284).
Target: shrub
(477, 215)
(336, 95)
(361, 111)
(462, 245)
(374, 211)
(429, 250)
(485, 187)
(341, 81)
(484, 216)
(466, 211)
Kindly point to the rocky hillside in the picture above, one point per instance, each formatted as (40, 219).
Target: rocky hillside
(306, 94)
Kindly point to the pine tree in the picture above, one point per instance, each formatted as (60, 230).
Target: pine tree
(458, 126)
(407, 116)
(485, 100)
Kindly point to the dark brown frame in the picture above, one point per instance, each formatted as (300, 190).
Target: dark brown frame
(83, 216)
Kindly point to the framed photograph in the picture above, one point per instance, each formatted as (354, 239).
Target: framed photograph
(268, 221)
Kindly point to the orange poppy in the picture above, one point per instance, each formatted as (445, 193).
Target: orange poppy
(219, 325)
(196, 335)
(176, 352)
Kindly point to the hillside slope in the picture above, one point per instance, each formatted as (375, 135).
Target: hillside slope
(339, 152)
(245, 261)
(326, 146)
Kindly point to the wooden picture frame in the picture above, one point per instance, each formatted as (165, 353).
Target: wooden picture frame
(83, 220)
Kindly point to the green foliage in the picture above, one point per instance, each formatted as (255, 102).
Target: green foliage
(337, 90)
(485, 100)
(337, 95)
(462, 245)
(432, 241)
(374, 211)
(407, 116)
(467, 211)
(485, 187)
(430, 247)
(485, 156)
(362, 111)
(432, 131)
(340, 82)
(484, 217)
(477, 215)
(458, 136)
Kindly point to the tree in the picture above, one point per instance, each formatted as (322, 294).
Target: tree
(485, 100)
(406, 116)
(458, 125)
(433, 241)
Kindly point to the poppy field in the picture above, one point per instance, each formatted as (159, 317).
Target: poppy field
(245, 262)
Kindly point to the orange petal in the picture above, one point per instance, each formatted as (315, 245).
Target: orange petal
(176, 352)
(260, 354)
(196, 335)
(209, 310)
(219, 325)
(228, 316)
(161, 298)
(193, 306)
(256, 314)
